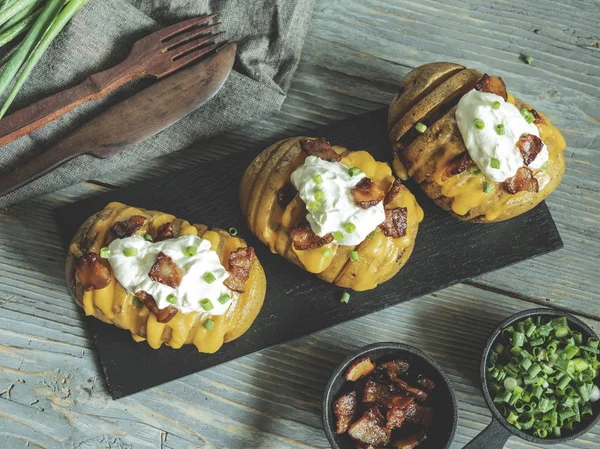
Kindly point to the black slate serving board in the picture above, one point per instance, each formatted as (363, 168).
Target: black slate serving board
(447, 251)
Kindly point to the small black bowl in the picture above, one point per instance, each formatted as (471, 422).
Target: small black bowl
(500, 430)
(446, 410)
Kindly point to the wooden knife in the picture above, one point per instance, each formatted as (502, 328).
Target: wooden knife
(140, 116)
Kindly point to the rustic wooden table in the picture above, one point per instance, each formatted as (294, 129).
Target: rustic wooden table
(355, 54)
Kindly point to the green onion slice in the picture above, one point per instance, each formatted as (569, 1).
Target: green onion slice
(345, 298)
(209, 278)
(326, 252)
(208, 324)
(496, 105)
(130, 252)
(137, 302)
(224, 298)
(479, 124)
(488, 187)
(318, 179)
(354, 171)
(421, 127)
(190, 251)
(500, 129)
(104, 252)
(206, 304)
(338, 235)
(148, 237)
(495, 163)
(233, 231)
(319, 195)
(172, 299)
(354, 256)
(349, 227)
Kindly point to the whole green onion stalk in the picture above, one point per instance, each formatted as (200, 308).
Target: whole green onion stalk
(56, 27)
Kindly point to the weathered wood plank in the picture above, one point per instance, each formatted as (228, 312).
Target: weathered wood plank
(355, 54)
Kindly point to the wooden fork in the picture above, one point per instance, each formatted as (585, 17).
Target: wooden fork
(156, 55)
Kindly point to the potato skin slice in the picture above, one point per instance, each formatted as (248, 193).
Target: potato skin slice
(272, 219)
(114, 305)
(424, 96)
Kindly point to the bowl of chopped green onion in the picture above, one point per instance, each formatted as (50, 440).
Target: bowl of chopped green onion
(540, 373)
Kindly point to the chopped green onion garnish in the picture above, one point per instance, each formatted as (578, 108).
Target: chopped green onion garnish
(488, 187)
(530, 118)
(495, 163)
(541, 377)
(326, 252)
(313, 205)
(232, 231)
(224, 298)
(545, 165)
(496, 105)
(208, 324)
(500, 129)
(354, 171)
(130, 252)
(190, 251)
(345, 298)
(528, 59)
(209, 278)
(475, 170)
(318, 179)
(172, 299)
(137, 302)
(479, 124)
(349, 227)
(338, 235)
(206, 304)
(148, 237)
(319, 195)
(420, 127)
(354, 256)
(104, 252)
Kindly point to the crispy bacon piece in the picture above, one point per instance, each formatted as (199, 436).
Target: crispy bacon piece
(359, 368)
(421, 416)
(164, 232)
(409, 441)
(523, 181)
(529, 146)
(240, 264)
(427, 384)
(493, 85)
(127, 228)
(419, 394)
(457, 165)
(344, 409)
(539, 120)
(395, 222)
(393, 192)
(304, 238)
(162, 315)
(395, 368)
(376, 392)
(285, 195)
(166, 271)
(400, 401)
(320, 148)
(370, 428)
(366, 193)
(91, 273)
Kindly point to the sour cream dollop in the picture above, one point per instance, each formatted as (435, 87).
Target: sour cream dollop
(336, 209)
(485, 144)
(132, 272)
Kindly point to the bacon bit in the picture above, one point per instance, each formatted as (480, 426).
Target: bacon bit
(127, 228)
(240, 263)
(304, 238)
(419, 415)
(396, 368)
(344, 409)
(493, 85)
(285, 195)
(393, 192)
(394, 225)
(370, 428)
(91, 273)
(166, 271)
(366, 193)
(529, 146)
(539, 120)
(320, 148)
(162, 315)
(420, 395)
(427, 384)
(359, 368)
(165, 231)
(457, 165)
(523, 181)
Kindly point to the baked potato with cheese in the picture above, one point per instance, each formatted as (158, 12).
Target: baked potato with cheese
(429, 147)
(91, 280)
(277, 215)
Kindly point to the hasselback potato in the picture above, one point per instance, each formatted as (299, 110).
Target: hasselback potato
(96, 258)
(278, 216)
(430, 148)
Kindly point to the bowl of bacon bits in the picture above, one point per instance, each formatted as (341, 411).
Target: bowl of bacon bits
(389, 396)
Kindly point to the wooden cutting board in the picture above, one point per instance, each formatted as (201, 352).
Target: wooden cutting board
(447, 251)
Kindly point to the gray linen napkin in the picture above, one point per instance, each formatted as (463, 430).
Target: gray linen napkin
(269, 34)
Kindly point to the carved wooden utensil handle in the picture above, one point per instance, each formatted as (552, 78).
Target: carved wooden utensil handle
(44, 111)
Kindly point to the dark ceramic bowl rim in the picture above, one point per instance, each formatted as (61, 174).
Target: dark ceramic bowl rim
(483, 375)
(341, 368)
